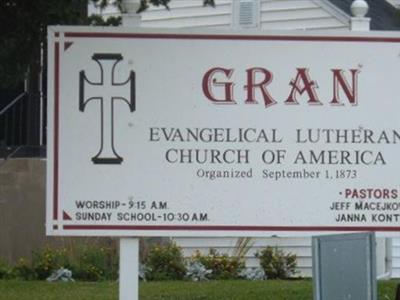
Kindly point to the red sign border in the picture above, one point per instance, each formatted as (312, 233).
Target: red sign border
(178, 36)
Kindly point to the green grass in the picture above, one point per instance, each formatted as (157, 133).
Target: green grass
(178, 290)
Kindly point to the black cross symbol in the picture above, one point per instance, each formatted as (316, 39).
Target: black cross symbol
(106, 88)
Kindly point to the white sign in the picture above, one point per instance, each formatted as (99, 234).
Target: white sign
(222, 134)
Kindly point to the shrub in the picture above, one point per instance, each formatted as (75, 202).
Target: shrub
(23, 270)
(165, 262)
(277, 264)
(222, 266)
(48, 260)
(95, 263)
(257, 273)
(5, 270)
(197, 272)
(89, 262)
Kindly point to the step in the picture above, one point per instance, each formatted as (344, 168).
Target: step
(6, 151)
(17, 165)
(8, 178)
(10, 196)
(22, 151)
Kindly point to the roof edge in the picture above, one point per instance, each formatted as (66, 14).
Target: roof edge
(334, 11)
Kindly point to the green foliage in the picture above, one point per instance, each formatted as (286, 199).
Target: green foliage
(144, 4)
(277, 264)
(95, 263)
(97, 20)
(48, 260)
(209, 3)
(243, 246)
(397, 16)
(5, 270)
(221, 265)
(165, 262)
(175, 290)
(88, 263)
(23, 30)
(23, 270)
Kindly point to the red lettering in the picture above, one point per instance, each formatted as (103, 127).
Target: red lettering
(302, 83)
(218, 87)
(210, 81)
(251, 86)
(350, 92)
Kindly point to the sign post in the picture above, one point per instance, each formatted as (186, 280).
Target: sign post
(129, 269)
(129, 246)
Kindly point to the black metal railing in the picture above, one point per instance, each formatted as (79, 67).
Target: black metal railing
(22, 127)
(13, 122)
